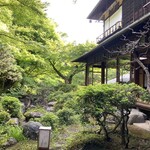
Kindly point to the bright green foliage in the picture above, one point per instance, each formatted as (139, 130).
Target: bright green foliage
(28, 33)
(12, 105)
(10, 131)
(62, 56)
(10, 72)
(3, 135)
(38, 55)
(49, 119)
(15, 132)
(4, 117)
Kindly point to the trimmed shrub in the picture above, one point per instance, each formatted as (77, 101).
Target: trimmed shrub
(49, 119)
(4, 117)
(83, 140)
(65, 116)
(12, 105)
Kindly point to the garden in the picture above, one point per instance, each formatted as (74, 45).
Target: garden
(41, 86)
(90, 117)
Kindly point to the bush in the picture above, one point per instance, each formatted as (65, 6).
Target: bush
(1, 107)
(100, 103)
(10, 131)
(60, 90)
(63, 99)
(65, 116)
(49, 119)
(15, 132)
(4, 117)
(66, 87)
(12, 105)
(83, 140)
(3, 136)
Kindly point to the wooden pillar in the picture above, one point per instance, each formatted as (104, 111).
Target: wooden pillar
(92, 75)
(136, 73)
(118, 70)
(131, 69)
(86, 75)
(103, 73)
(106, 73)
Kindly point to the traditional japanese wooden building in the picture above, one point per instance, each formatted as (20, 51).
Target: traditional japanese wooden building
(124, 22)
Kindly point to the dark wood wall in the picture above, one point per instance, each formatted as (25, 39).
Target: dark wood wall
(132, 10)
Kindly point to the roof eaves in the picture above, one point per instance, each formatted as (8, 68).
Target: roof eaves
(97, 6)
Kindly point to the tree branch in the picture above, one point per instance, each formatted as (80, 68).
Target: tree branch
(56, 70)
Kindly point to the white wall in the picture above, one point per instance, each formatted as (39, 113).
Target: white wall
(117, 16)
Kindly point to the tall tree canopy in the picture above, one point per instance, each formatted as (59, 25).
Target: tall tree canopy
(37, 52)
(61, 59)
(27, 32)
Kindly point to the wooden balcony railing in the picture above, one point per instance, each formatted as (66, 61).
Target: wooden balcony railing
(110, 31)
(142, 11)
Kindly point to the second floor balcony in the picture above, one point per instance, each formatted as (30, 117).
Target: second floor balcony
(116, 27)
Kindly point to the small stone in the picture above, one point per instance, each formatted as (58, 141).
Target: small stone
(51, 103)
(50, 109)
(11, 141)
(13, 121)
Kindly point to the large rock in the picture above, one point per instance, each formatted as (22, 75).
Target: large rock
(31, 129)
(36, 115)
(30, 115)
(136, 117)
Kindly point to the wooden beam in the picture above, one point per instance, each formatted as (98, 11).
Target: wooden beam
(143, 106)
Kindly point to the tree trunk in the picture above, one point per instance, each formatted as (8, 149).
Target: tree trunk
(126, 127)
(67, 81)
(123, 141)
(104, 127)
(146, 71)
